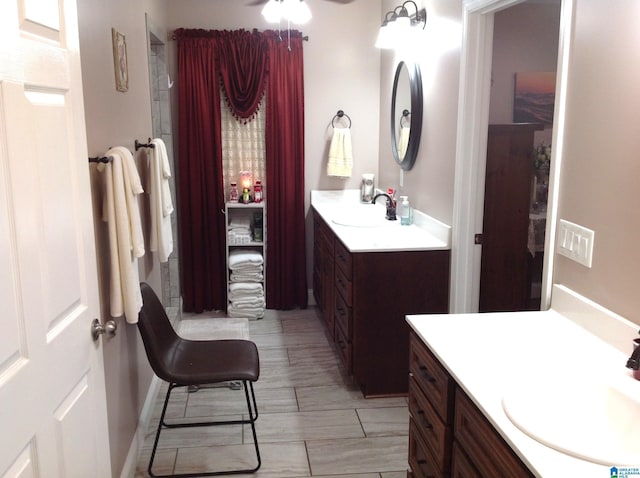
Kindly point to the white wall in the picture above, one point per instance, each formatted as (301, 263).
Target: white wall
(115, 118)
(601, 168)
(429, 184)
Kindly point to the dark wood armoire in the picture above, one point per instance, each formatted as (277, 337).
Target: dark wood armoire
(504, 279)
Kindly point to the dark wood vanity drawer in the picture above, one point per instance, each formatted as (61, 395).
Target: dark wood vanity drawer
(344, 347)
(432, 378)
(485, 448)
(461, 467)
(343, 316)
(343, 259)
(421, 462)
(343, 286)
(437, 435)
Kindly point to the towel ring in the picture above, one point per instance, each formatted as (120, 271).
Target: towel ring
(405, 117)
(340, 114)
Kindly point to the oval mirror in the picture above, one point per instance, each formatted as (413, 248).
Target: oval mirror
(406, 114)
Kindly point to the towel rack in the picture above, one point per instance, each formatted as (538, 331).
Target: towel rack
(100, 159)
(340, 114)
(405, 116)
(148, 144)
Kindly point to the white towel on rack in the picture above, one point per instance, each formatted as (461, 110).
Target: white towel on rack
(403, 141)
(340, 161)
(160, 202)
(126, 243)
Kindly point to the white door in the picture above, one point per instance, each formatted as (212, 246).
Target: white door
(52, 395)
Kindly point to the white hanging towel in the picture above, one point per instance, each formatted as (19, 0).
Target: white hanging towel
(126, 243)
(161, 204)
(403, 141)
(340, 161)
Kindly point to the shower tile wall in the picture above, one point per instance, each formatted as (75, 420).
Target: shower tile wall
(161, 114)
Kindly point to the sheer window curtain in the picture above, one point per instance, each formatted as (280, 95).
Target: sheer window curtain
(243, 146)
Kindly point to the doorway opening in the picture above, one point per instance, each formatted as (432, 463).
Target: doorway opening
(522, 96)
(471, 147)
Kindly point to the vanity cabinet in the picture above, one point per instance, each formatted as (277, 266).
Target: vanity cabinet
(448, 435)
(323, 270)
(365, 296)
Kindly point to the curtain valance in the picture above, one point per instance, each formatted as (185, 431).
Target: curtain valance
(242, 58)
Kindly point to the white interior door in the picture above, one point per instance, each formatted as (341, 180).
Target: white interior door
(52, 397)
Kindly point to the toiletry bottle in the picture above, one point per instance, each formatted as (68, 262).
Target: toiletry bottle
(257, 191)
(233, 193)
(405, 211)
(392, 194)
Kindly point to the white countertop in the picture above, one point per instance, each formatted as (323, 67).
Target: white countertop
(339, 207)
(488, 353)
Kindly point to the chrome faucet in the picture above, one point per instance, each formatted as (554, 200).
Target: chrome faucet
(391, 208)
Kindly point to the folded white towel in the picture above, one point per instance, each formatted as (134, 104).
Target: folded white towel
(248, 303)
(240, 223)
(340, 161)
(246, 277)
(244, 286)
(238, 258)
(253, 299)
(256, 313)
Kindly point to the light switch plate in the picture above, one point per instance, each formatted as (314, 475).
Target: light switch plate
(575, 242)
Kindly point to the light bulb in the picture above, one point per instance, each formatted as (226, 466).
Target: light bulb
(272, 11)
(296, 11)
(384, 40)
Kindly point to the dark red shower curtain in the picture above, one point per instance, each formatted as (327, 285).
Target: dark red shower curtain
(199, 172)
(284, 128)
(242, 60)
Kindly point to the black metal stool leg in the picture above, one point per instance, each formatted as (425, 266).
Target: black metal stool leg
(252, 408)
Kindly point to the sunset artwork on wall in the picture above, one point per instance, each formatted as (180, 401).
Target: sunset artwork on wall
(534, 97)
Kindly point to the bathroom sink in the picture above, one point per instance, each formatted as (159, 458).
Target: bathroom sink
(583, 417)
(363, 215)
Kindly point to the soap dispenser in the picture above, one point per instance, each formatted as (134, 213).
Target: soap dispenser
(405, 211)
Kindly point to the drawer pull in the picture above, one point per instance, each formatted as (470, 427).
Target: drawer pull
(425, 373)
(423, 418)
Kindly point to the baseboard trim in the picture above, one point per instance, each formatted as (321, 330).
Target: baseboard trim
(130, 464)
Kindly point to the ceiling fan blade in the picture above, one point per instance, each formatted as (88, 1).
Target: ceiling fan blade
(257, 2)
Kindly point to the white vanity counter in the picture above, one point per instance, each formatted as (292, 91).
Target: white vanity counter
(575, 343)
(362, 227)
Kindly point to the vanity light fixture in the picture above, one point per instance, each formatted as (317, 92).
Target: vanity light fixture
(398, 25)
(294, 11)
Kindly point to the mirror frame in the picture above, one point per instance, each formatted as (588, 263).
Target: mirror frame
(415, 85)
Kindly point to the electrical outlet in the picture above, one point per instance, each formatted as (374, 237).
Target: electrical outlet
(575, 242)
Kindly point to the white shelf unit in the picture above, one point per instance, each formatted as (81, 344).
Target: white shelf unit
(240, 211)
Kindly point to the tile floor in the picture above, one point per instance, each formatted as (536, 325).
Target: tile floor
(313, 421)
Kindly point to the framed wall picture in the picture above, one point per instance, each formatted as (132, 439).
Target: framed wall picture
(534, 97)
(120, 60)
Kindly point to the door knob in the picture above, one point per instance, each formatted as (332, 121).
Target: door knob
(97, 329)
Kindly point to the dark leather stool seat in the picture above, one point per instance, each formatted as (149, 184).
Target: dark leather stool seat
(182, 362)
